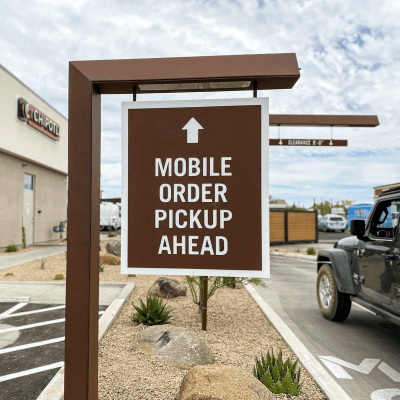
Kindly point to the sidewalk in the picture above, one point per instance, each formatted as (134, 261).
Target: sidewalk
(52, 292)
(299, 250)
(9, 261)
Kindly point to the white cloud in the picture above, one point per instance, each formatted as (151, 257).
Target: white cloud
(347, 52)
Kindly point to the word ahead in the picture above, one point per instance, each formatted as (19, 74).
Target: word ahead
(307, 142)
(193, 175)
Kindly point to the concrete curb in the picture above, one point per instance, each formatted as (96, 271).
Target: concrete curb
(291, 255)
(55, 389)
(331, 389)
(15, 299)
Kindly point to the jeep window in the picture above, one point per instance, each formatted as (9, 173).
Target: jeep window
(336, 219)
(384, 221)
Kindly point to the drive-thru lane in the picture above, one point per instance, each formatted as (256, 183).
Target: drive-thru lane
(361, 353)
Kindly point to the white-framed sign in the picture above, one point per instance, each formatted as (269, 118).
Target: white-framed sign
(195, 195)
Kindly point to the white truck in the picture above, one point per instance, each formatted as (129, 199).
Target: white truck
(110, 216)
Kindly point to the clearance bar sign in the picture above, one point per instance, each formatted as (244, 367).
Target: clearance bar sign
(307, 142)
(195, 188)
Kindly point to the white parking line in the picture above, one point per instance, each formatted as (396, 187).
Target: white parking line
(30, 345)
(20, 328)
(32, 312)
(31, 371)
(12, 309)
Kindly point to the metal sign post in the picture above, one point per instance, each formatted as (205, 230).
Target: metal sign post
(88, 80)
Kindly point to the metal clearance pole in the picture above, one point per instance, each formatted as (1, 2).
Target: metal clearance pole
(204, 305)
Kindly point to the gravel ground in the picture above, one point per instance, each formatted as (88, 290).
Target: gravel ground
(237, 332)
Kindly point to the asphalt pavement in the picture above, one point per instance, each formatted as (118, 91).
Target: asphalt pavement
(361, 353)
(32, 334)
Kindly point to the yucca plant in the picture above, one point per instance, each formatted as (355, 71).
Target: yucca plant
(154, 312)
(276, 375)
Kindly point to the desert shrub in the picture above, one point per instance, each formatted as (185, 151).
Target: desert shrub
(11, 248)
(59, 277)
(276, 375)
(154, 312)
(311, 251)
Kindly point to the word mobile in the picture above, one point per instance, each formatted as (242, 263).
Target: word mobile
(307, 142)
(195, 188)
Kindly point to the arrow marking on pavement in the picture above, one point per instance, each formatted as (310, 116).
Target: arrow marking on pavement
(334, 364)
(192, 128)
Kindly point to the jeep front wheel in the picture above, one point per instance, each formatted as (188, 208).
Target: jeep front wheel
(333, 304)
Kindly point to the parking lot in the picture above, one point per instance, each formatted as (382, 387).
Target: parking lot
(31, 347)
(32, 334)
(360, 353)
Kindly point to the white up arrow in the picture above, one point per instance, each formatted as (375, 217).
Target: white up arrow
(192, 128)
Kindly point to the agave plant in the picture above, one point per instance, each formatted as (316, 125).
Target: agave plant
(154, 312)
(276, 375)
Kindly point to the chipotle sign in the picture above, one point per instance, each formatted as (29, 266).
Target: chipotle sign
(193, 184)
(36, 119)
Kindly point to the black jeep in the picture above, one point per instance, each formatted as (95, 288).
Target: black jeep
(364, 268)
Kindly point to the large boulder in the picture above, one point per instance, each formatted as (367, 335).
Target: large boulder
(218, 382)
(176, 346)
(114, 247)
(109, 259)
(167, 288)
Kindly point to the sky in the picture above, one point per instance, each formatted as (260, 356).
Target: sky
(348, 53)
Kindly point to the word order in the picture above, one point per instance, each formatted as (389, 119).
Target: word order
(177, 192)
(221, 245)
(192, 167)
(194, 215)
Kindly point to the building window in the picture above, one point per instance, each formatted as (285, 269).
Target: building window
(28, 182)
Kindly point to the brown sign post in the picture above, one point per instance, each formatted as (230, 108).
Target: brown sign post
(87, 81)
(194, 177)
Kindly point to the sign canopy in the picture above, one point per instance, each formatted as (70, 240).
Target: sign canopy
(195, 188)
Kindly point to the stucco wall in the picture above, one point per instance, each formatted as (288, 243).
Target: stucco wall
(20, 139)
(50, 198)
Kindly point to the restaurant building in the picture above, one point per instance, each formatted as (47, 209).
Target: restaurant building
(33, 165)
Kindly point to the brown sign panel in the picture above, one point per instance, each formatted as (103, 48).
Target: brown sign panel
(307, 142)
(194, 189)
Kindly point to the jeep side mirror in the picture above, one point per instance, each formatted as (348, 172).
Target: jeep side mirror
(357, 227)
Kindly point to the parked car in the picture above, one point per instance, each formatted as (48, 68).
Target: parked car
(364, 268)
(332, 222)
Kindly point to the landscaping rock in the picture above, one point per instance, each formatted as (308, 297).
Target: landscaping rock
(176, 346)
(109, 259)
(218, 382)
(167, 288)
(114, 247)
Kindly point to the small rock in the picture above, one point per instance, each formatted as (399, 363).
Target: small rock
(110, 259)
(167, 288)
(218, 382)
(114, 247)
(176, 346)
